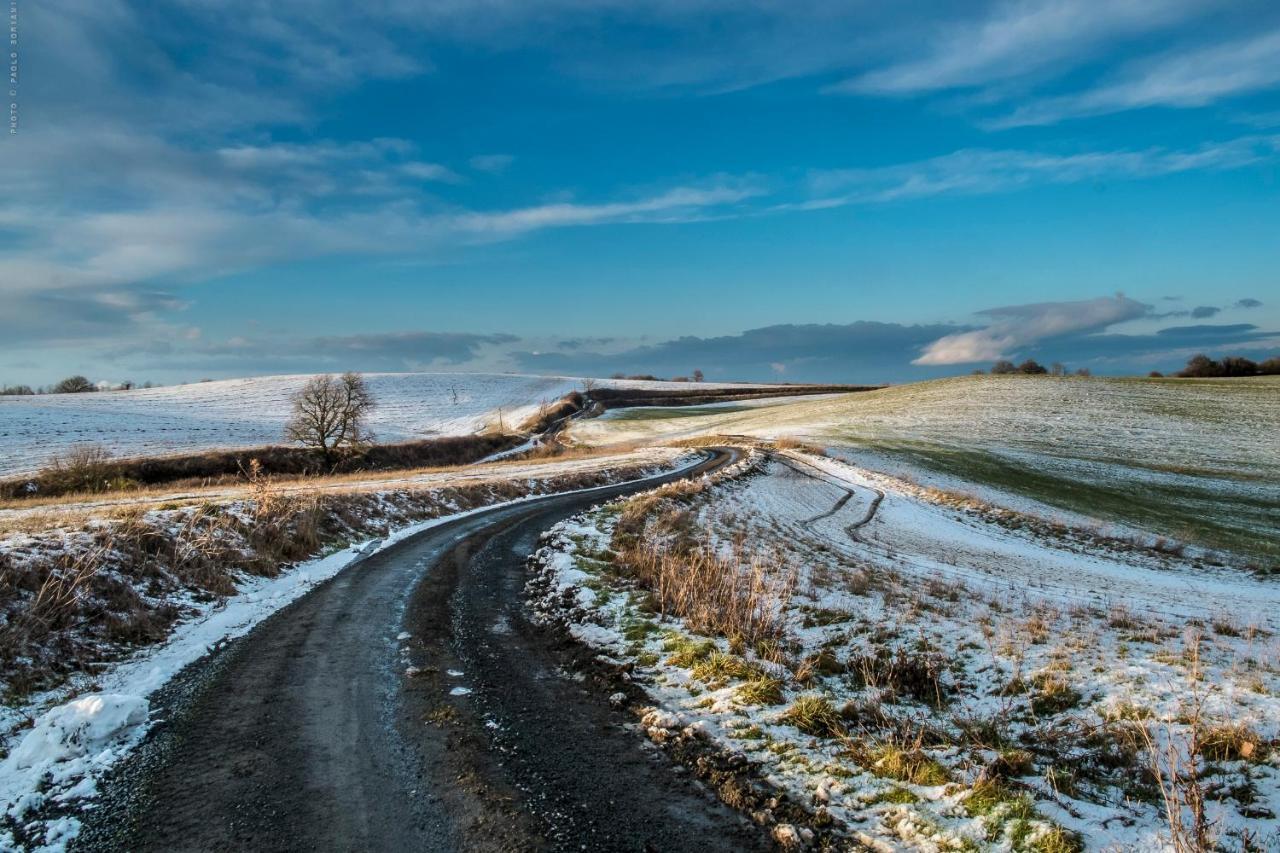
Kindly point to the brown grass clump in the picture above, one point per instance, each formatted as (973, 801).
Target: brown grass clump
(741, 596)
(902, 672)
(1231, 742)
(735, 597)
(789, 443)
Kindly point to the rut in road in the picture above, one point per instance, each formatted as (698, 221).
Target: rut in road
(307, 733)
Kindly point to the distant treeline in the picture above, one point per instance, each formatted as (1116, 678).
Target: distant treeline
(70, 385)
(1198, 367)
(1031, 367)
(1203, 367)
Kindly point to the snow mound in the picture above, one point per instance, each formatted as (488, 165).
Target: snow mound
(81, 727)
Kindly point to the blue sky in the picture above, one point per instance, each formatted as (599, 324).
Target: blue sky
(786, 190)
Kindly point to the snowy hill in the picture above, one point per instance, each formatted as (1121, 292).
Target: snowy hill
(1195, 459)
(252, 412)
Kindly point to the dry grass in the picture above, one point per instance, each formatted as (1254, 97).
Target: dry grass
(763, 690)
(907, 764)
(815, 716)
(737, 597)
(74, 598)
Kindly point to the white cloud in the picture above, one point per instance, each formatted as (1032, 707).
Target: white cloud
(1019, 39)
(430, 172)
(981, 170)
(1187, 78)
(1017, 326)
(673, 205)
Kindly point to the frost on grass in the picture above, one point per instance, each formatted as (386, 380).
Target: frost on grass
(936, 678)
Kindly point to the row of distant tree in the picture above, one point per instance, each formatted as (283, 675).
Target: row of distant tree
(696, 376)
(1031, 367)
(70, 385)
(1199, 366)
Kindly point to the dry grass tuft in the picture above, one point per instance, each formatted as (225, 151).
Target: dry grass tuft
(908, 765)
(742, 597)
(815, 716)
(763, 690)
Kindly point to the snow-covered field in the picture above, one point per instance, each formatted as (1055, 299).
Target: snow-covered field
(1224, 426)
(1191, 459)
(252, 412)
(946, 680)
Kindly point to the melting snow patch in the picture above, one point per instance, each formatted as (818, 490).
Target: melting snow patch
(460, 691)
(66, 747)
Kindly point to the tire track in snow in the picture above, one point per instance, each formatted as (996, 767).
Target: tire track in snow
(825, 477)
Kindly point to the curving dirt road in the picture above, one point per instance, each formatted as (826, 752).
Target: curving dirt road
(322, 730)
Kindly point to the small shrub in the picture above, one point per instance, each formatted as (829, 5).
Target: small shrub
(918, 675)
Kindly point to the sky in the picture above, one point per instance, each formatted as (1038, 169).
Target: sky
(785, 190)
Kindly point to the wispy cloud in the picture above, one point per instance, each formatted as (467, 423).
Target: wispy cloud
(1015, 326)
(680, 204)
(980, 170)
(1184, 78)
(1019, 39)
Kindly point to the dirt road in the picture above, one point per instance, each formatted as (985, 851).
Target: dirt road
(326, 729)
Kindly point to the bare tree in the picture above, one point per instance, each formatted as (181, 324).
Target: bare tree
(330, 414)
(697, 376)
(588, 387)
(1058, 369)
(74, 385)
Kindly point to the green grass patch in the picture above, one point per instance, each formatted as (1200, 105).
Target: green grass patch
(1203, 511)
